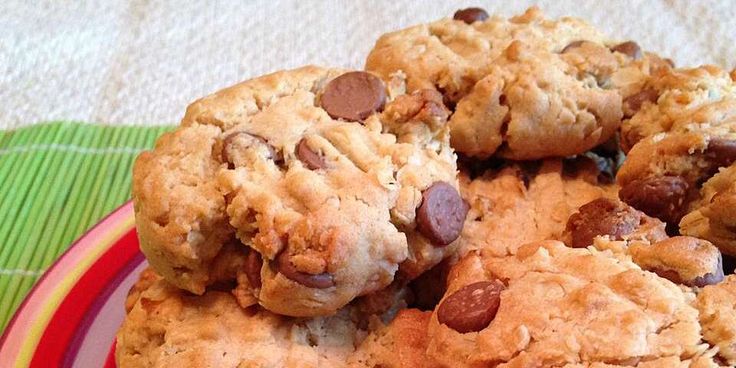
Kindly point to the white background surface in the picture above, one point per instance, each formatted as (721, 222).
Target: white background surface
(142, 62)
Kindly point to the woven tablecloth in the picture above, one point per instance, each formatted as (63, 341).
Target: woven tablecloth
(139, 63)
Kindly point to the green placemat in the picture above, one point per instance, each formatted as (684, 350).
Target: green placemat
(57, 180)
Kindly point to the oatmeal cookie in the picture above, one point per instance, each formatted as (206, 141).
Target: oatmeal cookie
(330, 182)
(519, 83)
(713, 217)
(401, 344)
(168, 327)
(551, 305)
(609, 224)
(529, 103)
(717, 306)
(681, 100)
(662, 173)
(522, 203)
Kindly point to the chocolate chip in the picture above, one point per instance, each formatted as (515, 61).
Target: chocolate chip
(353, 96)
(602, 216)
(441, 215)
(472, 308)
(572, 45)
(629, 48)
(634, 102)
(721, 152)
(237, 142)
(711, 278)
(315, 281)
(309, 158)
(670, 62)
(663, 197)
(253, 264)
(471, 15)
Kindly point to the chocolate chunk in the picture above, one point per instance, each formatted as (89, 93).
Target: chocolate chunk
(472, 308)
(572, 45)
(237, 142)
(309, 158)
(721, 152)
(710, 278)
(663, 197)
(316, 281)
(353, 96)
(681, 259)
(629, 48)
(602, 216)
(471, 15)
(253, 264)
(634, 102)
(441, 215)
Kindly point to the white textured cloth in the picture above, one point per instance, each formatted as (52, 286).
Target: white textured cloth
(142, 62)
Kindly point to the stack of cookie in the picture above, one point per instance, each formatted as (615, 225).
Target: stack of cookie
(490, 192)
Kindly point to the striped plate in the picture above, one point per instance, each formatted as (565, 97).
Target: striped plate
(70, 317)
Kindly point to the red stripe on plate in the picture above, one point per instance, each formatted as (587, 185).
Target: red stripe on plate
(66, 324)
(110, 362)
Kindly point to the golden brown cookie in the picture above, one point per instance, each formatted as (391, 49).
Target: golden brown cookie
(713, 217)
(327, 181)
(662, 173)
(522, 203)
(532, 104)
(609, 224)
(169, 327)
(551, 305)
(400, 344)
(522, 85)
(717, 306)
(681, 100)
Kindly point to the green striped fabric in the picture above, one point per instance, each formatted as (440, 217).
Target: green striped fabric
(58, 179)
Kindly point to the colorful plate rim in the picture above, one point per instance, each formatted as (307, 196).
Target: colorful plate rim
(49, 326)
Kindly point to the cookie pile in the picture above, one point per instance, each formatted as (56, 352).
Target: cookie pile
(489, 192)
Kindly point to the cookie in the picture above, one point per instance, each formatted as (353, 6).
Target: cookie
(681, 100)
(662, 173)
(521, 203)
(522, 85)
(609, 224)
(552, 305)
(682, 130)
(329, 181)
(613, 219)
(400, 344)
(712, 217)
(168, 327)
(717, 306)
(530, 102)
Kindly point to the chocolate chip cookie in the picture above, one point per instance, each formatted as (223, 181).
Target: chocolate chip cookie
(681, 100)
(717, 306)
(329, 182)
(525, 202)
(663, 173)
(400, 344)
(522, 85)
(609, 224)
(168, 327)
(682, 131)
(713, 216)
(552, 305)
